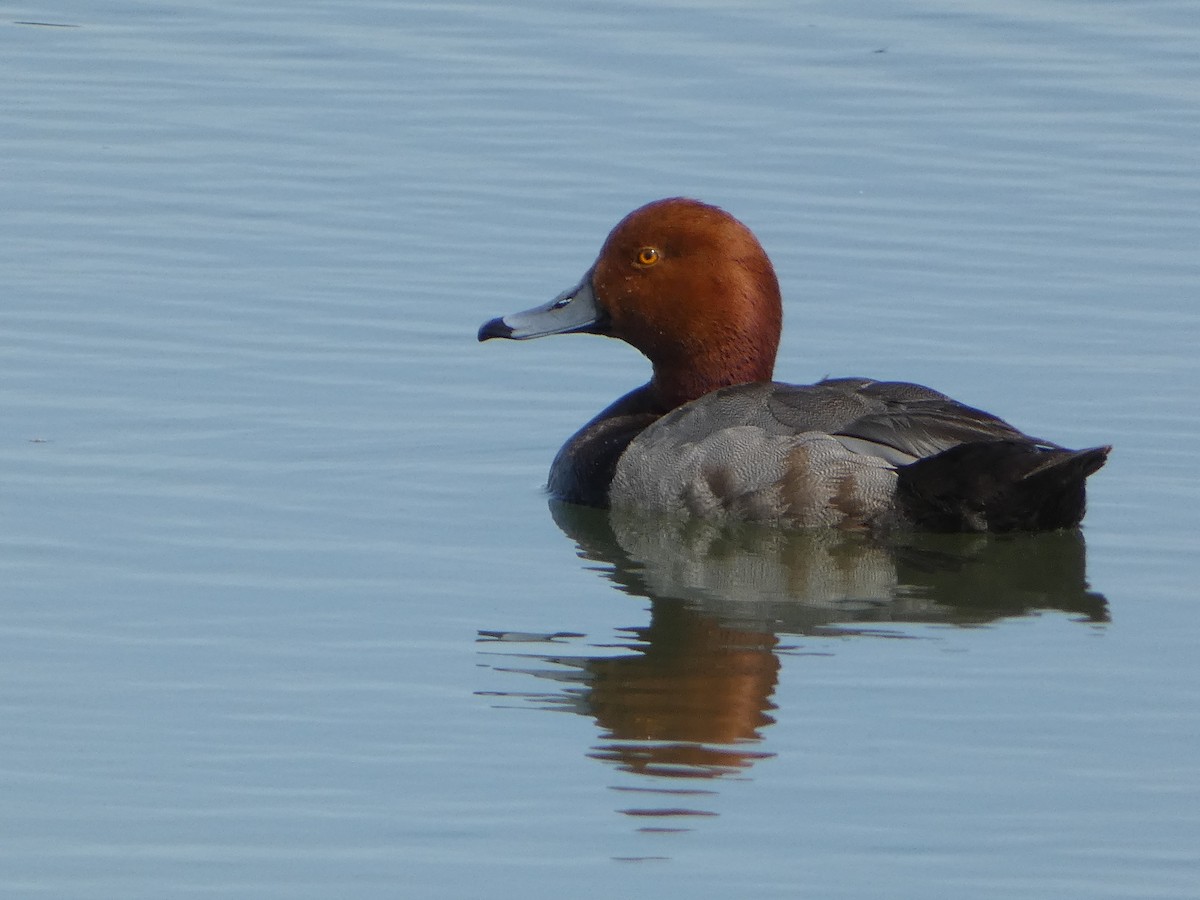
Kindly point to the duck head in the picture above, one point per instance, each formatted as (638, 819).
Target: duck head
(685, 283)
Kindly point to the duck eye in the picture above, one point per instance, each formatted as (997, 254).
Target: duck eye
(647, 256)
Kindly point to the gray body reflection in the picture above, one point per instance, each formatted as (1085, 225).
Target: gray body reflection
(801, 582)
(689, 697)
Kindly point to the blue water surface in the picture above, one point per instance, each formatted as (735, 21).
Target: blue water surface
(284, 611)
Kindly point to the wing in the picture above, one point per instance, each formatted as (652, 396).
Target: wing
(897, 421)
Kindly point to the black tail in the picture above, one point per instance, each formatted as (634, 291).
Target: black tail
(998, 486)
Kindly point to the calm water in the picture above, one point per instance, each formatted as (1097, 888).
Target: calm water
(285, 611)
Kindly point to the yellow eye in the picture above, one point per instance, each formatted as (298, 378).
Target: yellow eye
(647, 256)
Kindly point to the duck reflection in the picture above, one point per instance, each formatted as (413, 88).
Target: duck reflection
(690, 699)
(829, 581)
(687, 695)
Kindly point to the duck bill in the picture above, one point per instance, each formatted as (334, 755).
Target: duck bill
(571, 312)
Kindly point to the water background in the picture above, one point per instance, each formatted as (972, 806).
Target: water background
(283, 611)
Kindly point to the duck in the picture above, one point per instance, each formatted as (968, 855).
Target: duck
(711, 435)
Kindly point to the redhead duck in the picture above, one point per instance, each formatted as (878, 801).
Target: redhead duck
(711, 434)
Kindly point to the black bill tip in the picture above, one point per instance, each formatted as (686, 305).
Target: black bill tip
(496, 328)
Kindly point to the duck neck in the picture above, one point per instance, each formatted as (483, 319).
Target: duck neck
(674, 386)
